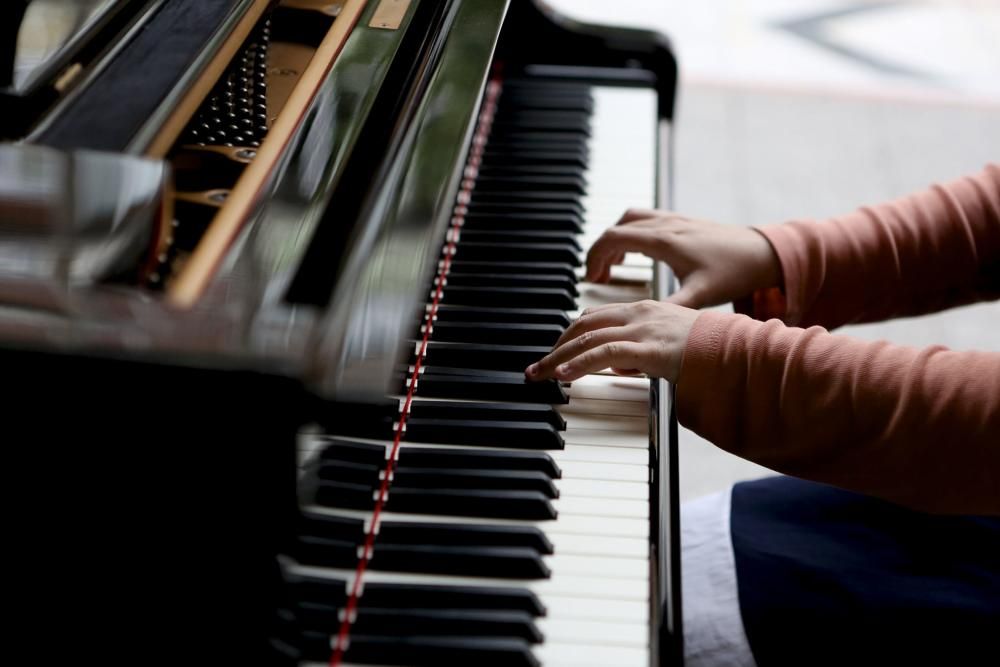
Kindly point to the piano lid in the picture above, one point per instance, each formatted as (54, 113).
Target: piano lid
(59, 288)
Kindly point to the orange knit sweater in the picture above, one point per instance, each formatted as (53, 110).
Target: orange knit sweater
(920, 427)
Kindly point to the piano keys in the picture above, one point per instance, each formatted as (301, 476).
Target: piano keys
(368, 268)
(549, 504)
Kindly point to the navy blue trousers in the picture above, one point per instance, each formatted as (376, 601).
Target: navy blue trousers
(830, 577)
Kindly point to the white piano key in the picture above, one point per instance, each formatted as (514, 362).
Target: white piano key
(604, 633)
(597, 566)
(602, 407)
(606, 545)
(597, 422)
(612, 507)
(612, 472)
(591, 454)
(610, 388)
(582, 436)
(573, 654)
(592, 294)
(586, 488)
(629, 611)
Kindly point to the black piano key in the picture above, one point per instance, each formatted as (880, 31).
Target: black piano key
(506, 184)
(447, 622)
(531, 84)
(512, 480)
(449, 313)
(485, 388)
(481, 459)
(524, 168)
(495, 562)
(397, 595)
(582, 101)
(519, 236)
(458, 534)
(424, 651)
(514, 222)
(433, 478)
(541, 127)
(541, 139)
(510, 358)
(565, 253)
(344, 495)
(485, 205)
(545, 414)
(529, 505)
(426, 533)
(516, 114)
(496, 332)
(333, 527)
(334, 470)
(333, 591)
(515, 156)
(514, 146)
(565, 271)
(515, 435)
(530, 280)
(542, 102)
(564, 198)
(437, 622)
(471, 372)
(507, 297)
(345, 449)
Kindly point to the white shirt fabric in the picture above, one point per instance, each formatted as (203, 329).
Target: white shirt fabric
(713, 627)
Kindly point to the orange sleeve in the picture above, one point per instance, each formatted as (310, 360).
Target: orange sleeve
(920, 427)
(931, 250)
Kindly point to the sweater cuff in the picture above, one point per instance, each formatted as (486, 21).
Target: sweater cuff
(786, 304)
(695, 382)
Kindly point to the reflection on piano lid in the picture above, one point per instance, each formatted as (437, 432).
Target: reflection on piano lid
(51, 28)
(48, 46)
(175, 345)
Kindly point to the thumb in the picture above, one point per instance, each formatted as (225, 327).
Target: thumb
(688, 296)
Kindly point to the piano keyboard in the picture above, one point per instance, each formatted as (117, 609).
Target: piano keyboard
(516, 525)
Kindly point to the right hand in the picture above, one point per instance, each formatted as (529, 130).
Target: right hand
(715, 263)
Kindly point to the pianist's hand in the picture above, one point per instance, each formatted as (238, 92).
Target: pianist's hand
(715, 263)
(643, 337)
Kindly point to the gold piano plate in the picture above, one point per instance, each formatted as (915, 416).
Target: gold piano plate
(389, 14)
(294, 72)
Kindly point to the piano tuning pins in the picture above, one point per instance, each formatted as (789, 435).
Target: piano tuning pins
(238, 103)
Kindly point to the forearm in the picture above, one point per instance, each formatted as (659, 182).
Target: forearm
(935, 249)
(918, 427)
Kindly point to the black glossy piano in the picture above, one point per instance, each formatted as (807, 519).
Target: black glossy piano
(270, 273)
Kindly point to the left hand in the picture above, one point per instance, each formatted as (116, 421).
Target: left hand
(630, 338)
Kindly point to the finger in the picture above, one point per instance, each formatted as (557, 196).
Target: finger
(546, 368)
(688, 296)
(633, 214)
(599, 317)
(626, 371)
(617, 241)
(613, 354)
(605, 275)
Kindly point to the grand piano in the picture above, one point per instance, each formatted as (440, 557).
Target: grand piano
(270, 272)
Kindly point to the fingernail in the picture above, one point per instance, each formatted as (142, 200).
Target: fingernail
(563, 370)
(532, 369)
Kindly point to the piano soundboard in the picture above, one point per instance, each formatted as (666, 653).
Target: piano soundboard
(347, 251)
